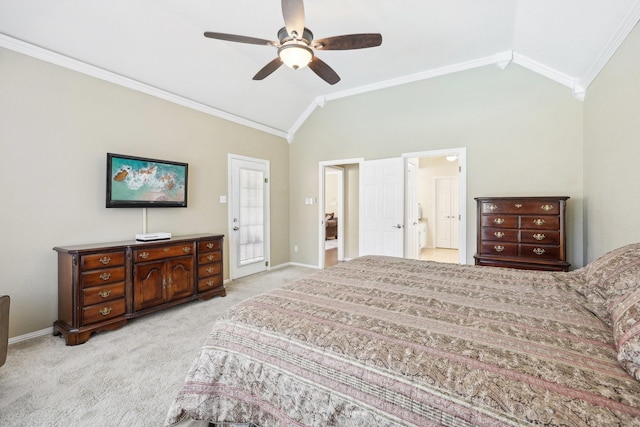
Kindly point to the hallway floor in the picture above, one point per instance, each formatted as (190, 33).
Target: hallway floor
(438, 254)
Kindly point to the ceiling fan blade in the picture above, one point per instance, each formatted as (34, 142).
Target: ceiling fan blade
(239, 39)
(268, 69)
(293, 14)
(325, 72)
(349, 41)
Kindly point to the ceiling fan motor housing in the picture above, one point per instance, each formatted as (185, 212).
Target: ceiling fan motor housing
(284, 37)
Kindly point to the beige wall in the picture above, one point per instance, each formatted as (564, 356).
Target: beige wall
(611, 152)
(56, 127)
(523, 135)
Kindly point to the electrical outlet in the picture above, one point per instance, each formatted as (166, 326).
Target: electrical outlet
(295, 248)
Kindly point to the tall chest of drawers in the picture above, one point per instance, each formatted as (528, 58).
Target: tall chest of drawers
(102, 286)
(522, 232)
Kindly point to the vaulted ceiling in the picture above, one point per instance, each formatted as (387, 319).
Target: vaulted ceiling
(158, 47)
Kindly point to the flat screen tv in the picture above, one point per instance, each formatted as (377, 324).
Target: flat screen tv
(139, 182)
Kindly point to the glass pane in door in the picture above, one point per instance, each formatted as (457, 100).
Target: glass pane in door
(251, 218)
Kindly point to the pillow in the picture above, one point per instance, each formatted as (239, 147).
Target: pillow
(626, 332)
(610, 278)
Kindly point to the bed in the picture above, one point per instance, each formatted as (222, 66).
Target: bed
(381, 341)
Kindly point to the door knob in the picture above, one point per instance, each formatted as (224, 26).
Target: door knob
(397, 226)
(236, 228)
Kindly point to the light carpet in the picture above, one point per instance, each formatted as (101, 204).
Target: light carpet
(126, 377)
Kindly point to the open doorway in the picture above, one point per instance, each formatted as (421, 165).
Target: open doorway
(338, 209)
(436, 195)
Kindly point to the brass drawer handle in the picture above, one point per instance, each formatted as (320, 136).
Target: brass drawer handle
(539, 221)
(144, 255)
(105, 293)
(166, 249)
(210, 270)
(499, 248)
(210, 257)
(105, 311)
(538, 251)
(546, 208)
(105, 260)
(499, 234)
(499, 221)
(105, 276)
(518, 205)
(210, 245)
(210, 283)
(539, 236)
(186, 249)
(492, 207)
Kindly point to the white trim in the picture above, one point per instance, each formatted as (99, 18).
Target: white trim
(97, 72)
(30, 335)
(297, 264)
(619, 35)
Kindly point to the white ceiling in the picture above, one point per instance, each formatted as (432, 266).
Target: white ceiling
(158, 47)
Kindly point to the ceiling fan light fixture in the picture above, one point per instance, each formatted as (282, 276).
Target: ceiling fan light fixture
(295, 54)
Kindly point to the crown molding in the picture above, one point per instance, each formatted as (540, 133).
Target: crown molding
(619, 35)
(111, 77)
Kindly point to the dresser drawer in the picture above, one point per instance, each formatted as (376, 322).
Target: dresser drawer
(521, 207)
(540, 251)
(162, 252)
(500, 235)
(544, 237)
(209, 257)
(209, 269)
(99, 294)
(102, 260)
(210, 245)
(209, 283)
(498, 248)
(104, 276)
(104, 311)
(502, 221)
(540, 223)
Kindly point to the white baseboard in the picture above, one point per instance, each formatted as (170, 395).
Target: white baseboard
(293, 264)
(31, 335)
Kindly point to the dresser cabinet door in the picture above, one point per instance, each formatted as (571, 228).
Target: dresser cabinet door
(148, 284)
(180, 278)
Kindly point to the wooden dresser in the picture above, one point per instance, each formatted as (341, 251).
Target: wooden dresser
(522, 232)
(102, 286)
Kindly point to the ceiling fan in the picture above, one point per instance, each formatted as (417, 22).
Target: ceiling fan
(295, 44)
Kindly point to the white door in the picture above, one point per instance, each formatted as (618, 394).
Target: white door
(412, 231)
(248, 216)
(447, 210)
(382, 207)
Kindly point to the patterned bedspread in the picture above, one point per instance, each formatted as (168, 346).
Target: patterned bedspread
(382, 341)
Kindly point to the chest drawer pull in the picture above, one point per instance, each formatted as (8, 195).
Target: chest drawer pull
(210, 245)
(499, 248)
(546, 208)
(186, 249)
(210, 257)
(499, 234)
(539, 221)
(105, 293)
(539, 236)
(538, 251)
(105, 276)
(210, 270)
(105, 311)
(518, 205)
(210, 283)
(499, 221)
(144, 255)
(166, 249)
(492, 207)
(105, 260)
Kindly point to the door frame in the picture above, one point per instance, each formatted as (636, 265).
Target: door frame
(461, 152)
(321, 207)
(233, 274)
